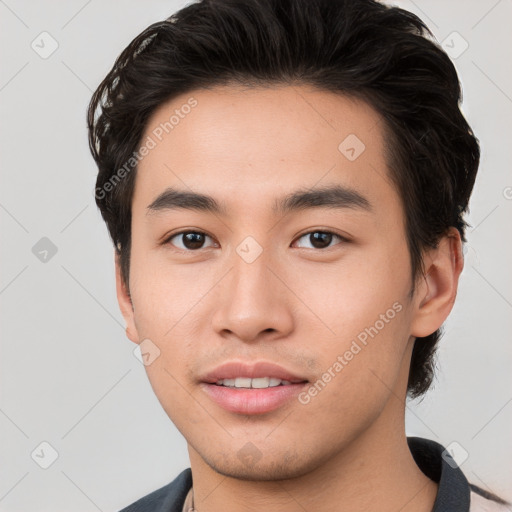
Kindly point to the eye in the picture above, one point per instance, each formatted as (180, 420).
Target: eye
(321, 239)
(190, 240)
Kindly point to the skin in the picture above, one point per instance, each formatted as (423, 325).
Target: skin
(295, 305)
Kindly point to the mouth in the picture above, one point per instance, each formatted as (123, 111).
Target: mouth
(256, 383)
(251, 388)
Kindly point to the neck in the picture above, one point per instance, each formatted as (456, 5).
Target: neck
(376, 471)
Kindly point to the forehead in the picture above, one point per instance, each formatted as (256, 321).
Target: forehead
(248, 146)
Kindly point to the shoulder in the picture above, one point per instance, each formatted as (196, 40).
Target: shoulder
(480, 501)
(169, 498)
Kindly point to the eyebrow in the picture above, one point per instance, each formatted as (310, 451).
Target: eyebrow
(335, 196)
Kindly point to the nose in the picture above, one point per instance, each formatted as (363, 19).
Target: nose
(254, 300)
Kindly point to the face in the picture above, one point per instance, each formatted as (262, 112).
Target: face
(318, 286)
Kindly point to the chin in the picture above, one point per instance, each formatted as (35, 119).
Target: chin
(261, 467)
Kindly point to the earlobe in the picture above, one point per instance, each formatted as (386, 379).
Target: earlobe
(438, 289)
(125, 303)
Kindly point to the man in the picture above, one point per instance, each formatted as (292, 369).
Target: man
(285, 183)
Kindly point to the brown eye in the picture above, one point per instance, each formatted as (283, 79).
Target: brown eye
(190, 240)
(321, 239)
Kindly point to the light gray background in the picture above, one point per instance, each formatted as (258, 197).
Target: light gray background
(68, 374)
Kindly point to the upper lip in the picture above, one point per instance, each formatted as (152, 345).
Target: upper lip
(234, 369)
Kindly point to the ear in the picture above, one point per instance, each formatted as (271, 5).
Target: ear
(437, 289)
(125, 303)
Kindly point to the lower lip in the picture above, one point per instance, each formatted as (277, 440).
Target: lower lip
(253, 400)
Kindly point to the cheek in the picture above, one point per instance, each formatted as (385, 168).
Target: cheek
(364, 327)
(165, 294)
(164, 304)
(350, 295)
(360, 374)
(169, 302)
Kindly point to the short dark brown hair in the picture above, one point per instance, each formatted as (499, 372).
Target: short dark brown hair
(383, 55)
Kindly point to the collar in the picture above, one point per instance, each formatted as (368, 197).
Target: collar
(435, 461)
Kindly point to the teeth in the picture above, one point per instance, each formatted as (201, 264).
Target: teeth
(246, 382)
(242, 382)
(263, 382)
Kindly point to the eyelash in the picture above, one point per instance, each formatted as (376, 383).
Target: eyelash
(167, 241)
